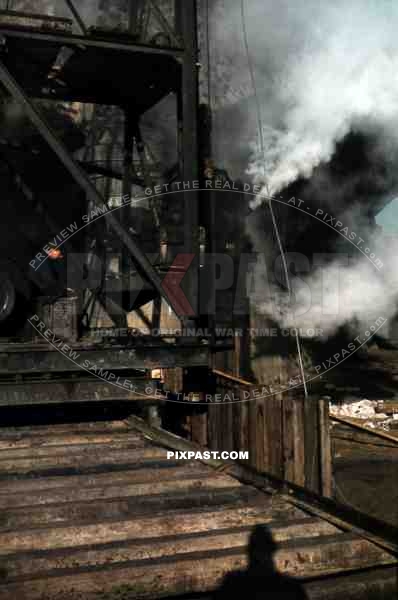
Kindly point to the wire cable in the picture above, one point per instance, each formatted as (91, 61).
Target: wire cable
(273, 217)
(209, 82)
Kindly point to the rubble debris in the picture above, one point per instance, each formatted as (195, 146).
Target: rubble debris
(367, 410)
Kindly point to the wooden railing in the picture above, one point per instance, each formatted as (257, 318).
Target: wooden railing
(286, 435)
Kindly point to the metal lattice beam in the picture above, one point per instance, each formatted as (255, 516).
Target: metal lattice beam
(81, 178)
(89, 42)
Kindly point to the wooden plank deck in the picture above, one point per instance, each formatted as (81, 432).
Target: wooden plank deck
(96, 511)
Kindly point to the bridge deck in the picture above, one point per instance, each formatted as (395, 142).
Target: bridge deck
(96, 511)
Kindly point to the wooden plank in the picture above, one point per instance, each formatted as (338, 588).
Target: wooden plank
(31, 564)
(275, 435)
(289, 433)
(299, 439)
(47, 497)
(220, 420)
(92, 427)
(138, 466)
(212, 427)
(311, 444)
(196, 572)
(341, 432)
(71, 440)
(377, 583)
(265, 433)
(374, 432)
(199, 428)
(240, 423)
(252, 431)
(87, 450)
(228, 444)
(143, 527)
(23, 465)
(325, 450)
(243, 443)
(122, 507)
(168, 472)
(260, 434)
(271, 428)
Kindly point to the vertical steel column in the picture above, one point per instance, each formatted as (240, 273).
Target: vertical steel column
(186, 29)
(135, 17)
(128, 145)
(125, 211)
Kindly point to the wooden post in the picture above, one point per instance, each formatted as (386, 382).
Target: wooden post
(311, 443)
(241, 422)
(199, 429)
(274, 434)
(318, 461)
(299, 440)
(325, 449)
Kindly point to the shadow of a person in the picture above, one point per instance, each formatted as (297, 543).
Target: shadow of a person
(260, 580)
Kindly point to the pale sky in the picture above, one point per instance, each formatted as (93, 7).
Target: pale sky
(388, 217)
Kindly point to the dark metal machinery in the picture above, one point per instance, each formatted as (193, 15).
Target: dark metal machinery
(132, 70)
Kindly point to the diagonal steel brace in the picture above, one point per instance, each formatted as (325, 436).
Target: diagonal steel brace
(142, 263)
(77, 16)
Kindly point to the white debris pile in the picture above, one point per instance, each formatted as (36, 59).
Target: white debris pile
(362, 409)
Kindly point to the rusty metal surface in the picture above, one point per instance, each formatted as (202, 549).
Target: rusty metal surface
(68, 392)
(25, 20)
(75, 357)
(115, 43)
(93, 509)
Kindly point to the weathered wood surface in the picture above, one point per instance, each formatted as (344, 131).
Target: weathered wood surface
(287, 435)
(355, 424)
(97, 511)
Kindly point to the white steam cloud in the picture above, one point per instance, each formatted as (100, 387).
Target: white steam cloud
(322, 68)
(347, 290)
(343, 76)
